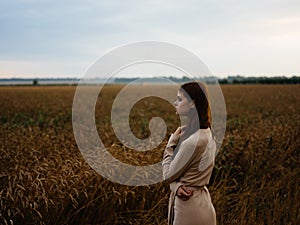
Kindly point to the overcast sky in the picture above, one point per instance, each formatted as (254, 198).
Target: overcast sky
(46, 38)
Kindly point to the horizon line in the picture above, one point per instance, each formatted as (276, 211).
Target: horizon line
(147, 77)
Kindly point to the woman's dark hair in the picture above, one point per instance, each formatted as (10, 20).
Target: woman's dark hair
(197, 92)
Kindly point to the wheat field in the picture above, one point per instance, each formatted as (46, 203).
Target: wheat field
(45, 180)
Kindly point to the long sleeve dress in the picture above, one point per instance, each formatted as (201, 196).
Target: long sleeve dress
(192, 166)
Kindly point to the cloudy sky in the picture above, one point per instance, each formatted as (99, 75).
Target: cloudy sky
(46, 38)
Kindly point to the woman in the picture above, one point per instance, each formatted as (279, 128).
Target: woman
(189, 159)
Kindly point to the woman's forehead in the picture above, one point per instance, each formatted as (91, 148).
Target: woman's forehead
(181, 94)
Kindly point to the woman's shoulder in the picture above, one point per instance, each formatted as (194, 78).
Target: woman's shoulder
(200, 138)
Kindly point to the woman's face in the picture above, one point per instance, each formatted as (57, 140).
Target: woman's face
(182, 104)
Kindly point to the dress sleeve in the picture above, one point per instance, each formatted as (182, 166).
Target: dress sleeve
(174, 168)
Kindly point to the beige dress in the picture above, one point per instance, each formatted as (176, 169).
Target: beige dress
(192, 166)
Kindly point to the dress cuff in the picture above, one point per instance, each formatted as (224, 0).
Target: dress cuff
(175, 185)
(173, 140)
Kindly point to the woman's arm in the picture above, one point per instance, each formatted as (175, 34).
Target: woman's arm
(174, 168)
(169, 151)
(180, 190)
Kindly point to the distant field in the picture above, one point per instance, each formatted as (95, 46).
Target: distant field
(45, 180)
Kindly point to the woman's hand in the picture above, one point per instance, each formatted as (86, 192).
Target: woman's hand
(183, 193)
(179, 132)
(174, 138)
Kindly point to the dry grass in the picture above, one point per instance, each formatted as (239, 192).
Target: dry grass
(44, 179)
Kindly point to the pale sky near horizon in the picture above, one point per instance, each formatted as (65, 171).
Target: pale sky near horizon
(43, 38)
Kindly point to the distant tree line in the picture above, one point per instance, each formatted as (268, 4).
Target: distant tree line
(208, 80)
(245, 80)
(228, 80)
(259, 80)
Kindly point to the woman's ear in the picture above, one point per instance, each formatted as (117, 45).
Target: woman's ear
(192, 104)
